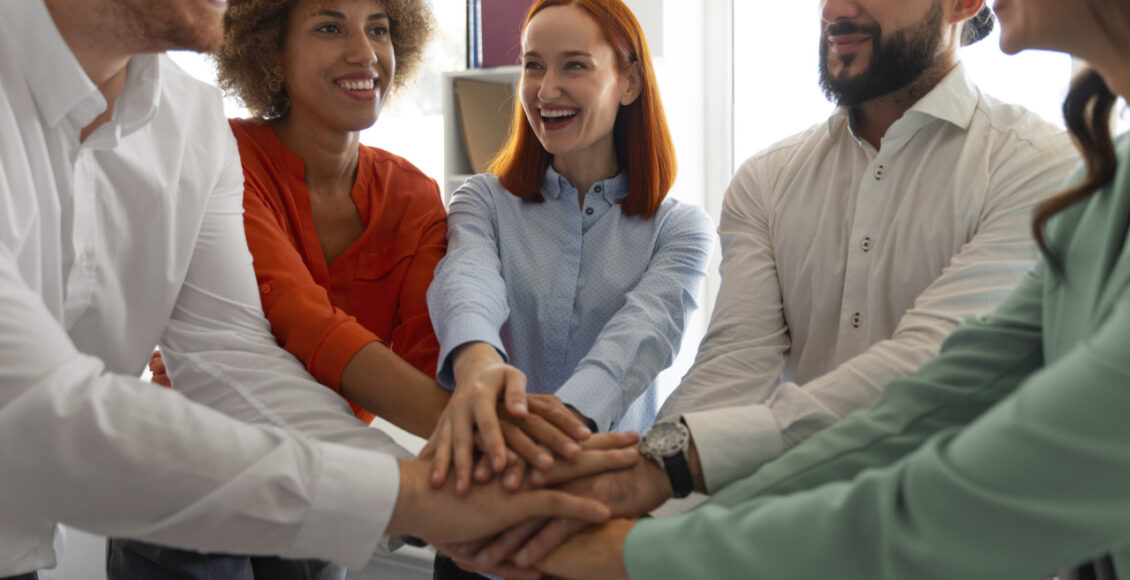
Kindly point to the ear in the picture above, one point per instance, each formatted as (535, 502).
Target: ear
(965, 9)
(634, 77)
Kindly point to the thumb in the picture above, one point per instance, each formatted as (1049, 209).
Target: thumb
(515, 393)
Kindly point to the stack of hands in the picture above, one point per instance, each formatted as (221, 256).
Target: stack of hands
(515, 480)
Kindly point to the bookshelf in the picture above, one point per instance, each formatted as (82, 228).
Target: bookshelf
(456, 163)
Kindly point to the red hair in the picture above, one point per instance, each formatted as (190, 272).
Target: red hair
(642, 142)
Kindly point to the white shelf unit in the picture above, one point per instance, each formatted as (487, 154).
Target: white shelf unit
(456, 166)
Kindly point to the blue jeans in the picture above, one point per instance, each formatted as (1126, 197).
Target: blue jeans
(28, 576)
(133, 560)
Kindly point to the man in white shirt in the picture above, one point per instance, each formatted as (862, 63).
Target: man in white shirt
(121, 227)
(851, 250)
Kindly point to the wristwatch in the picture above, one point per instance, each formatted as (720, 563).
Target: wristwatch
(666, 444)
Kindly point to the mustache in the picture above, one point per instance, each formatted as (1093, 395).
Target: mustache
(849, 27)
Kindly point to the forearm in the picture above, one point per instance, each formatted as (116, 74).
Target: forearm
(386, 385)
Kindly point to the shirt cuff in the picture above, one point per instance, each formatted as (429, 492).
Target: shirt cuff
(733, 442)
(457, 331)
(355, 495)
(328, 361)
(596, 395)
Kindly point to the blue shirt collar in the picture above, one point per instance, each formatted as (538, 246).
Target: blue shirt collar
(612, 189)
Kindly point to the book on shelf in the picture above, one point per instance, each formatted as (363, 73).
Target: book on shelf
(494, 31)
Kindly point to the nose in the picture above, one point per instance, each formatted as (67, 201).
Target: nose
(549, 88)
(832, 11)
(360, 51)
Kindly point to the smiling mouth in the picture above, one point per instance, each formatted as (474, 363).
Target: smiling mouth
(360, 85)
(551, 117)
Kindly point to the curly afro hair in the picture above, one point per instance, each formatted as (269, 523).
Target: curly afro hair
(249, 62)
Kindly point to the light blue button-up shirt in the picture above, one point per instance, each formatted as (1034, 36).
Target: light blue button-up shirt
(589, 303)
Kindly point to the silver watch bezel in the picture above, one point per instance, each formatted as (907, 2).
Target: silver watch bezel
(665, 440)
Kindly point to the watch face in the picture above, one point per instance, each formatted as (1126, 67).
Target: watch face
(665, 439)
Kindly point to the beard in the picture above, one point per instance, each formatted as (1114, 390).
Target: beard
(896, 61)
(160, 25)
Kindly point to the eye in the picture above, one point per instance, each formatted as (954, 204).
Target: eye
(379, 30)
(531, 65)
(574, 65)
(328, 28)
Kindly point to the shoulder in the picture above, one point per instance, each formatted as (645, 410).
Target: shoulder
(198, 105)
(403, 178)
(393, 164)
(680, 218)
(1018, 126)
(483, 188)
(763, 168)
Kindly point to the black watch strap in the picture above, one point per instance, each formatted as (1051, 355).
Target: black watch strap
(679, 473)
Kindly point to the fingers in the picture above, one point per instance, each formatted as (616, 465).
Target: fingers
(497, 551)
(485, 402)
(591, 462)
(613, 440)
(483, 472)
(557, 414)
(463, 441)
(558, 504)
(512, 478)
(525, 446)
(440, 445)
(550, 437)
(548, 537)
(514, 392)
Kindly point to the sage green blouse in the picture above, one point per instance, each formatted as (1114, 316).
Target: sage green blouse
(1008, 456)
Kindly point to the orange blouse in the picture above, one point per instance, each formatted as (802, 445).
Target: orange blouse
(375, 290)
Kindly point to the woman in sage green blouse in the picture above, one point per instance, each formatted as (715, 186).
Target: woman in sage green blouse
(1006, 457)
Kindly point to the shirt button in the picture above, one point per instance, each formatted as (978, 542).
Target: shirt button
(598, 189)
(865, 244)
(588, 211)
(856, 320)
(265, 288)
(878, 173)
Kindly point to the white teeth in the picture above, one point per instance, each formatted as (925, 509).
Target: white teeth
(558, 113)
(366, 85)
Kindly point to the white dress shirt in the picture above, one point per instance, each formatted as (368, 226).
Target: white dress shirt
(108, 247)
(845, 267)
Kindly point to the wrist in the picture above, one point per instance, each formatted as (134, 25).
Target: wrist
(405, 516)
(473, 354)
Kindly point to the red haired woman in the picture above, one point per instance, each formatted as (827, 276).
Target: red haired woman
(568, 272)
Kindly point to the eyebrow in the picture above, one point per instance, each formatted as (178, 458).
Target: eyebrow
(341, 15)
(568, 54)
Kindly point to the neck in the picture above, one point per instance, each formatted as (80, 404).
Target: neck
(873, 118)
(584, 169)
(103, 65)
(1112, 67)
(330, 156)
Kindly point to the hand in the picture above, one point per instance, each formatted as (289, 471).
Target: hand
(157, 367)
(629, 492)
(597, 552)
(603, 473)
(535, 426)
(442, 518)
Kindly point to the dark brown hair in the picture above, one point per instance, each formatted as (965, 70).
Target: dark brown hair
(249, 61)
(1087, 111)
(643, 143)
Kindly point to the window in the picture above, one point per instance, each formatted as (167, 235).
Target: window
(776, 92)
(411, 124)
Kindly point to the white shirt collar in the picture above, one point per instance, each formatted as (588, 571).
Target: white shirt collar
(61, 88)
(953, 100)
